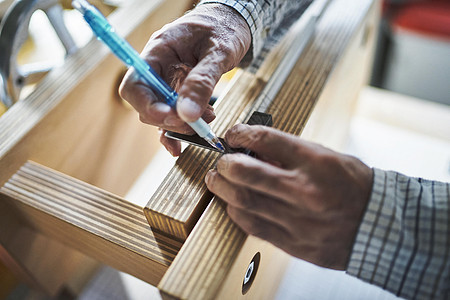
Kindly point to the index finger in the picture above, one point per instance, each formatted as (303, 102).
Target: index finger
(256, 175)
(151, 110)
(267, 142)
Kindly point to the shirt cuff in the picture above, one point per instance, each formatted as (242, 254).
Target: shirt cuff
(402, 244)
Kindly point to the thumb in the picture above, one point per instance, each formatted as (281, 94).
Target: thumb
(197, 88)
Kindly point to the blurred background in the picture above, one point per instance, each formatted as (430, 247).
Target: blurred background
(413, 50)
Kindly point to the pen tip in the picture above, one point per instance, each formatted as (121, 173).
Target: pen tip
(220, 146)
(214, 141)
(217, 144)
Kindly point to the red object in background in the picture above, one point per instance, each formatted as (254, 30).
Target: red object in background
(430, 17)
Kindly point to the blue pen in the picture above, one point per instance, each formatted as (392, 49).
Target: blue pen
(123, 50)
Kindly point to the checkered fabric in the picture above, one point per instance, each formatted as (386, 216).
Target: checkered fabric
(403, 243)
(268, 22)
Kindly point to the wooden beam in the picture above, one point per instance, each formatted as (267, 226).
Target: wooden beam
(326, 119)
(93, 221)
(180, 200)
(75, 122)
(75, 114)
(215, 258)
(210, 263)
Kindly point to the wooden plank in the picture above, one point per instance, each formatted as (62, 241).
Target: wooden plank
(75, 114)
(74, 122)
(217, 254)
(206, 265)
(181, 198)
(91, 220)
(329, 118)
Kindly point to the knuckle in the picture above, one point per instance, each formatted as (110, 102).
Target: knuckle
(254, 227)
(319, 207)
(299, 152)
(235, 134)
(326, 159)
(233, 165)
(200, 81)
(160, 32)
(144, 119)
(258, 136)
(198, 76)
(314, 203)
(226, 51)
(277, 183)
(287, 181)
(259, 133)
(124, 88)
(244, 199)
(261, 231)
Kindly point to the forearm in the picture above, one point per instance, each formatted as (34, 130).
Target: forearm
(267, 20)
(403, 243)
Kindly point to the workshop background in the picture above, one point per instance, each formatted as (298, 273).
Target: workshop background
(402, 123)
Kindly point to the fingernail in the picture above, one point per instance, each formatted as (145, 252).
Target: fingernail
(208, 177)
(171, 151)
(209, 115)
(188, 110)
(173, 121)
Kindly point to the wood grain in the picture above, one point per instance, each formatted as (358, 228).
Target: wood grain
(215, 258)
(91, 220)
(328, 79)
(75, 115)
(74, 122)
(181, 198)
(208, 260)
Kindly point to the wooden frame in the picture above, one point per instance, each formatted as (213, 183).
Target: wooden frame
(214, 256)
(182, 197)
(75, 122)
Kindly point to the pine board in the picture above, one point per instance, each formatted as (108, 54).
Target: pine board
(210, 259)
(181, 198)
(93, 221)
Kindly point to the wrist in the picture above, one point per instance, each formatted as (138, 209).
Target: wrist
(226, 16)
(362, 188)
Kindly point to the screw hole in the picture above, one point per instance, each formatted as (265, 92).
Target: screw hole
(250, 273)
(20, 81)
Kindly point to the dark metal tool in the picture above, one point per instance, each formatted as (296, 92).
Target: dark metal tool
(257, 118)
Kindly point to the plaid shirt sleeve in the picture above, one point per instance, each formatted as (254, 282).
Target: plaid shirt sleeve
(268, 22)
(403, 243)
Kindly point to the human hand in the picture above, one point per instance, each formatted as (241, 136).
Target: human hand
(303, 198)
(191, 54)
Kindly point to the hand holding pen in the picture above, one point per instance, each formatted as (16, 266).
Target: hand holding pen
(192, 41)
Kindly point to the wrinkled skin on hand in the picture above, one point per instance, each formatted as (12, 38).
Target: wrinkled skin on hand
(303, 198)
(190, 54)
